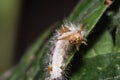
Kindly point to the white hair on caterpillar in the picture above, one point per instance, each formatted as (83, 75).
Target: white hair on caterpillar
(61, 44)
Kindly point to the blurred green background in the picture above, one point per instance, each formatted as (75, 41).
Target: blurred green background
(9, 14)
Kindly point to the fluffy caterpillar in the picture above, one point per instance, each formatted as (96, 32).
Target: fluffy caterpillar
(68, 36)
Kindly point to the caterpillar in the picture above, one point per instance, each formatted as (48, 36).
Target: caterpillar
(68, 36)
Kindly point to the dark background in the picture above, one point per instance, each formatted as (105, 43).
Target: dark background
(35, 17)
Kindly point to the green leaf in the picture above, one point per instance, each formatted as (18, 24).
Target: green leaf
(88, 12)
(38, 68)
(115, 24)
(118, 38)
(94, 66)
(102, 45)
(101, 67)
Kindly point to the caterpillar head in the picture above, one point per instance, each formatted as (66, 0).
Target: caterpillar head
(75, 36)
